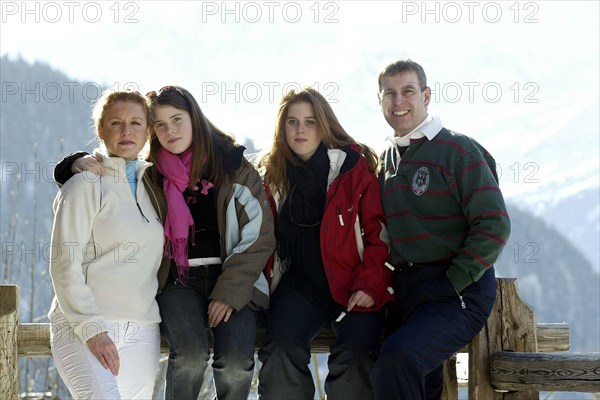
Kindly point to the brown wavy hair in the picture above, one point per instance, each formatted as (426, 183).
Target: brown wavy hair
(333, 136)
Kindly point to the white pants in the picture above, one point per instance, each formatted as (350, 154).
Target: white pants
(139, 351)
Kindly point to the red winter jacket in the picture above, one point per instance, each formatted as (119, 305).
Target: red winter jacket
(354, 238)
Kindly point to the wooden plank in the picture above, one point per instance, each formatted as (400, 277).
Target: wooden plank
(518, 329)
(553, 337)
(485, 343)
(9, 326)
(563, 372)
(450, 391)
(519, 323)
(34, 339)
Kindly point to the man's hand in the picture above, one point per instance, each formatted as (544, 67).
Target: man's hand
(88, 163)
(361, 299)
(104, 349)
(217, 312)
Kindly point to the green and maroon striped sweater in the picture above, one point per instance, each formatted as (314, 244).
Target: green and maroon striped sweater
(442, 201)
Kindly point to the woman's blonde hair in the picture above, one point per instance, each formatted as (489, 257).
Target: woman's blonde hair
(110, 97)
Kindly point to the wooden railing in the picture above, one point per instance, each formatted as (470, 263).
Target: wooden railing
(513, 357)
(511, 333)
(33, 340)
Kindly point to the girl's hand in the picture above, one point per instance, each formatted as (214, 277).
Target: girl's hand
(361, 299)
(217, 312)
(104, 349)
(88, 163)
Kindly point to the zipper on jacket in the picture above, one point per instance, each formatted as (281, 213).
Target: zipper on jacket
(462, 302)
(150, 191)
(340, 216)
(140, 208)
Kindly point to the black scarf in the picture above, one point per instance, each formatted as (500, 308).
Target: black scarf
(305, 203)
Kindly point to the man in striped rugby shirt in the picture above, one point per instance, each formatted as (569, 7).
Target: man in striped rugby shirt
(448, 224)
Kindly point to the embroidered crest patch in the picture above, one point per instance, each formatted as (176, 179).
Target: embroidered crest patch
(420, 181)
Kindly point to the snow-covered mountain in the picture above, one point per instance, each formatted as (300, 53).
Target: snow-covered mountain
(557, 178)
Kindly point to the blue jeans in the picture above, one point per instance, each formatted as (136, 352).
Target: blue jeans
(184, 323)
(432, 326)
(294, 320)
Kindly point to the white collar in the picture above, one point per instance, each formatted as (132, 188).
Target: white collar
(429, 128)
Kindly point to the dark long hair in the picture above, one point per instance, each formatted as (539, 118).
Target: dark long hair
(205, 163)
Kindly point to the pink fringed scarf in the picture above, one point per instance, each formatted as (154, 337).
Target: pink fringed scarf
(176, 170)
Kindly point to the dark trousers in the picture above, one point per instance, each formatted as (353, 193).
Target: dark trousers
(432, 326)
(184, 322)
(294, 320)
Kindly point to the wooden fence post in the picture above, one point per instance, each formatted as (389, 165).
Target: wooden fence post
(511, 327)
(450, 391)
(9, 323)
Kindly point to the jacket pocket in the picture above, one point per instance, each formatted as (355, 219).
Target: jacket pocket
(349, 245)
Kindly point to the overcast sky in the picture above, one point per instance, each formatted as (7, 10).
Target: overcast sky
(508, 73)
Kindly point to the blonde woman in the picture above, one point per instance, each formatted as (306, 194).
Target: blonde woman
(109, 238)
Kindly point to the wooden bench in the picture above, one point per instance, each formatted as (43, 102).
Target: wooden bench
(513, 357)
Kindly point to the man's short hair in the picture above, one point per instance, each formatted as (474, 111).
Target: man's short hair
(401, 66)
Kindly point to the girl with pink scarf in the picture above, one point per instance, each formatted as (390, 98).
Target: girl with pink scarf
(219, 235)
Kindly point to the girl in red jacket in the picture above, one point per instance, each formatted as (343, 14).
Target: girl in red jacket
(331, 253)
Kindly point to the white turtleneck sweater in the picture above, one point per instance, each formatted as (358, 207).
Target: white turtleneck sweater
(107, 249)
